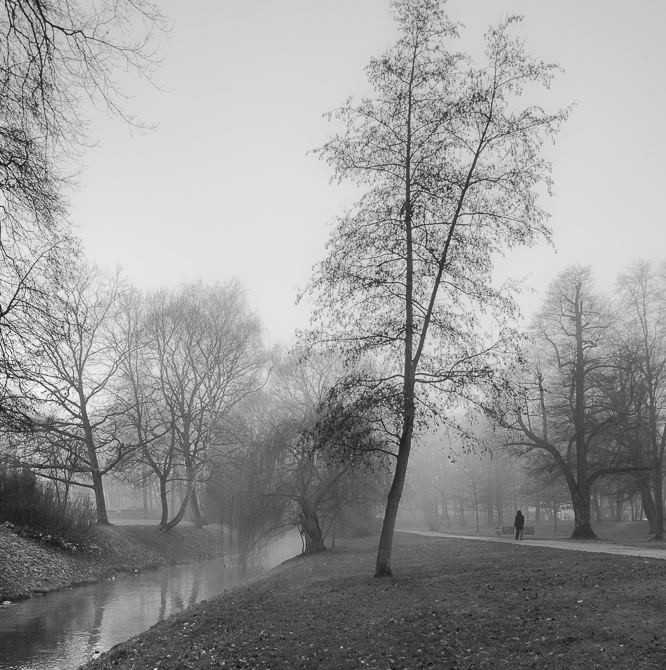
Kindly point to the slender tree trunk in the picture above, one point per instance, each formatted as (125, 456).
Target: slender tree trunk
(657, 487)
(181, 511)
(98, 484)
(580, 494)
(195, 510)
(555, 508)
(433, 516)
(648, 505)
(618, 510)
(445, 511)
(597, 507)
(383, 566)
(191, 473)
(462, 519)
(656, 441)
(100, 503)
(164, 504)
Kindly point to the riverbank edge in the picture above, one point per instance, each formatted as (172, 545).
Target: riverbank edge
(451, 604)
(29, 567)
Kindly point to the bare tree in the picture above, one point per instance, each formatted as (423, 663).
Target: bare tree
(641, 292)
(205, 356)
(144, 410)
(569, 409)
(76, 426)
(55, 58)
(304, 461)
(450, 163)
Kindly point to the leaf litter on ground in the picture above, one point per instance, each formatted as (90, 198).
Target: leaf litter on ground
(452, 604)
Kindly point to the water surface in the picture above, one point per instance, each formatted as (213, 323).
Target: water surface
(62, 630)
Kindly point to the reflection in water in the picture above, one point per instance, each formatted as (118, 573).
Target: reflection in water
(62, 630)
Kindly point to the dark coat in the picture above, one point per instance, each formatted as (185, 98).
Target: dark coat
(519, 521)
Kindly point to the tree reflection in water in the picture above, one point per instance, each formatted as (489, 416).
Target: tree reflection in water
(65, 629)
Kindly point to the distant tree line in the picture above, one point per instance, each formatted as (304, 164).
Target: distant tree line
(474, 490)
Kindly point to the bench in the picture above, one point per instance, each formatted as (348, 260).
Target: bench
(510, 530)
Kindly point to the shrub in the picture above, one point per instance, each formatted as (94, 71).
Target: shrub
(29, 503)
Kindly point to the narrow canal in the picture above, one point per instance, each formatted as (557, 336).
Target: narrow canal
(62, 630)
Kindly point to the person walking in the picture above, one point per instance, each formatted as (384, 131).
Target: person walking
(518, 524)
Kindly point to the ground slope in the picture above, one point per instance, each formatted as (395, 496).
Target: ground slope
(453, 603)
(29, 566)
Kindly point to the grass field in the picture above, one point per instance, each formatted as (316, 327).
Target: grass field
(452, 604)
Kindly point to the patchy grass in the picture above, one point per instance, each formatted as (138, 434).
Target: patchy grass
(453, 604)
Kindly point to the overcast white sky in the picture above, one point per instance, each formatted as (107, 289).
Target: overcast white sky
(224, 188)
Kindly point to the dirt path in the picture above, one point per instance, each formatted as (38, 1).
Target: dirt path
(573, 545)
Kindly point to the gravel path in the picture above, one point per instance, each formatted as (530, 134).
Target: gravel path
(573, 545)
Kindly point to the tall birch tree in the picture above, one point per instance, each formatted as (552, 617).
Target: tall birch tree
(450, 162)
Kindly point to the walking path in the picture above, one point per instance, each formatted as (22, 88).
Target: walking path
(573, 545)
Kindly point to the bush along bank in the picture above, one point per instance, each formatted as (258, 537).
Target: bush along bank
(32, 564)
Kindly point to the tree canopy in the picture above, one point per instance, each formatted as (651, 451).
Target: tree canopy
(56, 60)
(450, 163)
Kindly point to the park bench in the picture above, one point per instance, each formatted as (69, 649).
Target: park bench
(510, 530)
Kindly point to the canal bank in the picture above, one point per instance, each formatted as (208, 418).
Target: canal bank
(453, 603)
(30, 567)
(66, 628)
